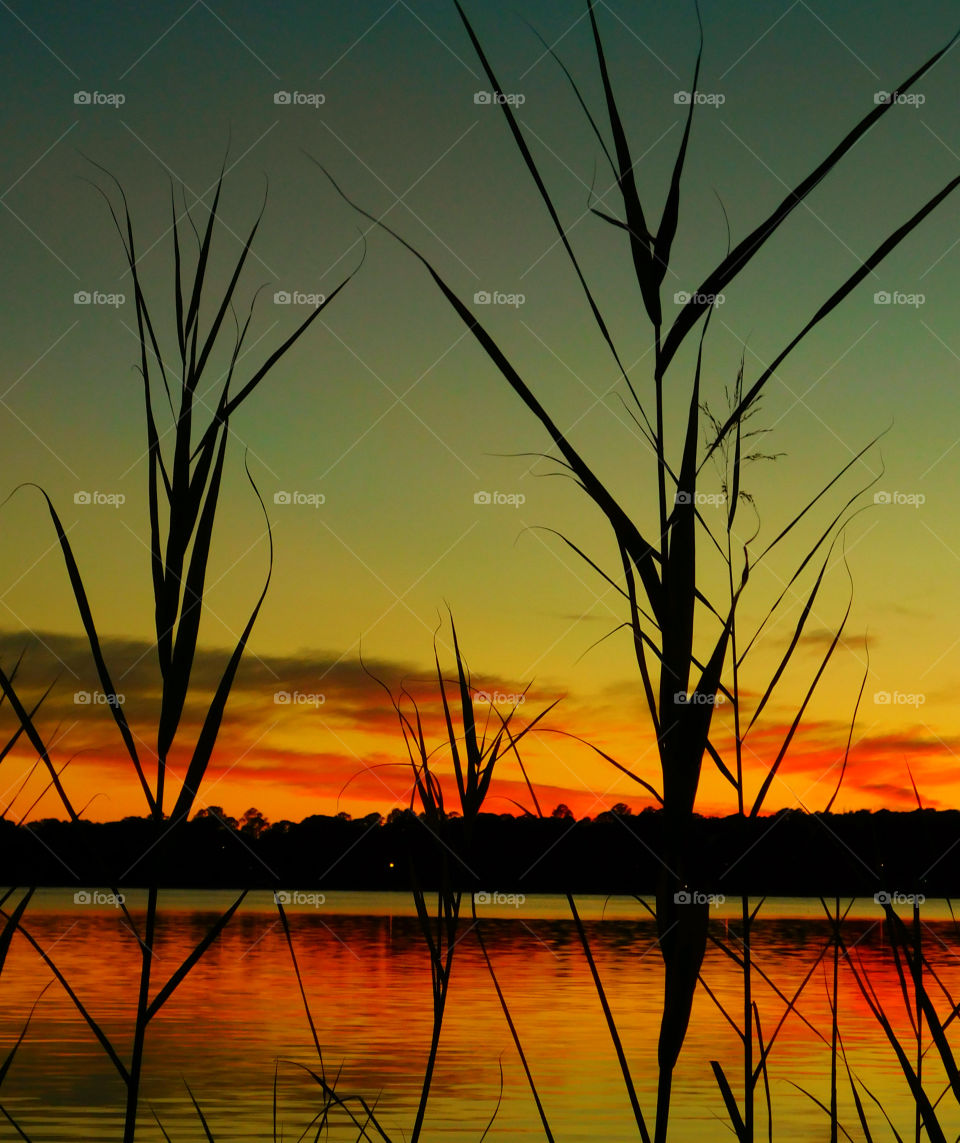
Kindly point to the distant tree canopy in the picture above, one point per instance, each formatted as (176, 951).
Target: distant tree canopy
(617, 851)
(214, 815)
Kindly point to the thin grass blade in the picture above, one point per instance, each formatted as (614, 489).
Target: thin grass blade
(640, 236)
(78, 1004)
(28, 727)
(717, 280)
(837, 297)
(177, 978)
(5, 1066)
(611, 1023)
(86, 617)
(211, 724)
(730, 1102)
(202, 1117)
(671, 211)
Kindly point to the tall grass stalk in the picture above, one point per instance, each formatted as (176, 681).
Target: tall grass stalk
(661, 570)
(184, 483)
(913, 967)
(475, 748)
(732, 457)
(12, 919)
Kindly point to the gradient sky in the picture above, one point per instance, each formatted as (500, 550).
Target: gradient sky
(389, 409)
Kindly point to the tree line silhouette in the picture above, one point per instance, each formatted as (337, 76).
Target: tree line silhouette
(787, 853)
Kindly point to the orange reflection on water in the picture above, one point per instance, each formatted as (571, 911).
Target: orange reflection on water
(239, 1015)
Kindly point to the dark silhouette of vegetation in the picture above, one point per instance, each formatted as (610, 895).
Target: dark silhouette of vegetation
(196, 385)
(857, 853)
(683, 640)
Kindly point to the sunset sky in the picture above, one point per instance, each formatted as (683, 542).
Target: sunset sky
(389, 412)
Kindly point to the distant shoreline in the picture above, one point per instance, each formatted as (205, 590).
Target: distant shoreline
(788, 854)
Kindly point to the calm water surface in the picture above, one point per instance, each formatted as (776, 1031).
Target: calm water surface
(237, 1022)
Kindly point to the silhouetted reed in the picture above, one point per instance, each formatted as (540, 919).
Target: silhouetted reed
(184, 482)
(661, 582)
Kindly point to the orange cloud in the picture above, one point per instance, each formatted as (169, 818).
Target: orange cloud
(312, 733)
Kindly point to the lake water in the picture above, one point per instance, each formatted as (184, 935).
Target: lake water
(237, 1020)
